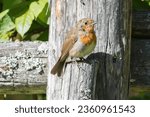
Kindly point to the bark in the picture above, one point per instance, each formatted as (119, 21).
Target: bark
(106, 75)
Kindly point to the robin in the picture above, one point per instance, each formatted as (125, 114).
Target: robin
(80, 41)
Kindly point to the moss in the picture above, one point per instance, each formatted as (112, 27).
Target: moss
(139, 93)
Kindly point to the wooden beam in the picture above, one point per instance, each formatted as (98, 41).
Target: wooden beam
(23, 83)
(23, 67)
(140, 62)
(141, 24)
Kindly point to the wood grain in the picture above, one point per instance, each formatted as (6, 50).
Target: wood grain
(140, 74)
(140, 62)
(106, 74)
(23, 67)
(141, 24)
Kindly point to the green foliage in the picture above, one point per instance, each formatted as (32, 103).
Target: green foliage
(145, 95)
(139, 92)
(141, 4)
(6, 25)
(3, 14)
(44, 15)
(23, 23)
(19, 15)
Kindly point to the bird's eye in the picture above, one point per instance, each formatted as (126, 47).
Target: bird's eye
(85, 23)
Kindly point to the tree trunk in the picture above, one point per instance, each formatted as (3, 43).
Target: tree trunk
(106, 74)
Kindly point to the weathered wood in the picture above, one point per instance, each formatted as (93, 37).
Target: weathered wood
(140, 74)
(23, 67)
(140, 62)
(107, 73)
(141, 24)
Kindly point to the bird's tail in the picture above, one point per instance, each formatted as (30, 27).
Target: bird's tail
(58, 68)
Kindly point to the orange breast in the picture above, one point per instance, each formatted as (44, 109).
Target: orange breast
(88, 39)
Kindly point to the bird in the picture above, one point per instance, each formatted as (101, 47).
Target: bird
(80, 41)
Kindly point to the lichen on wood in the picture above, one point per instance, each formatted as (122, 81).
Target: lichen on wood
(23, 64)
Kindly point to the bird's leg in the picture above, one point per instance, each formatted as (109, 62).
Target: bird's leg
(76, 61)
(73, 60)
(81, 59)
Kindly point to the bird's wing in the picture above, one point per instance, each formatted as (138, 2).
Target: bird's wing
(70, 40)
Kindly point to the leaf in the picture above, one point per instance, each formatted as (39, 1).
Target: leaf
(37, 6)
(6, 24)
(43, 36)
(6, 36)
(8, 4)
(23, 23)
(19, 9)
(140, 5)
(6, 28)
(2, 14)
(44, 15)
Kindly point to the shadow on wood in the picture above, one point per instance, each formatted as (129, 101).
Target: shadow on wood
(90, 79)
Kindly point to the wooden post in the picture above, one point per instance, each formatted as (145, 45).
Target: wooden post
(106, 75)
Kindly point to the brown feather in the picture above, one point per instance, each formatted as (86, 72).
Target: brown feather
(67, 46)
(58, 68)
(83, 27)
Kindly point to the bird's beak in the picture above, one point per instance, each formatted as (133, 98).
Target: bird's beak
(94, 23)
